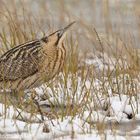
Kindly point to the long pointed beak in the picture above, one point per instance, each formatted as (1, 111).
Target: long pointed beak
(68, 26)
(62, 31)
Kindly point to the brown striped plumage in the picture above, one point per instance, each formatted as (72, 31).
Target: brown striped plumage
(33, 63)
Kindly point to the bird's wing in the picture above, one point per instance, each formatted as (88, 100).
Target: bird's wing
(20, 62)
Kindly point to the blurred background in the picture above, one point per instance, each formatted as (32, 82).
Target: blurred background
(112, 19)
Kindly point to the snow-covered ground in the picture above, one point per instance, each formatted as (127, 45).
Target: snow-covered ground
(118, 118)
(111, 115)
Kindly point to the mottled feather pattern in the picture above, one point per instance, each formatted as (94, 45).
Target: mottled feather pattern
(31, 64)
(20, 61)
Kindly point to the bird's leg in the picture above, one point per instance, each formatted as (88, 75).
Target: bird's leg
(34, 98)
(39, 109)
(45, 127)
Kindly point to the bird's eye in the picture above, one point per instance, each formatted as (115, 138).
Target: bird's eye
(60, 33)
(45, 39)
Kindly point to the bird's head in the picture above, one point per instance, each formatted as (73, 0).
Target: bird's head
(58, 36)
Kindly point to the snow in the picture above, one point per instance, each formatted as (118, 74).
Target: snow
(105, 62)
(116, 112)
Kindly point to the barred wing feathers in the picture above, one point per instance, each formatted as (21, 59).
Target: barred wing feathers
(20, 62)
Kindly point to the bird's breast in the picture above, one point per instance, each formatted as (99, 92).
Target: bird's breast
(53, 61)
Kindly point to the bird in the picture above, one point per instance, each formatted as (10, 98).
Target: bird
(33, 63)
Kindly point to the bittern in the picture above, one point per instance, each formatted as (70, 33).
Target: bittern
(33, 63)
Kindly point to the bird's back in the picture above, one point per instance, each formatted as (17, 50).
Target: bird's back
(20, 63)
